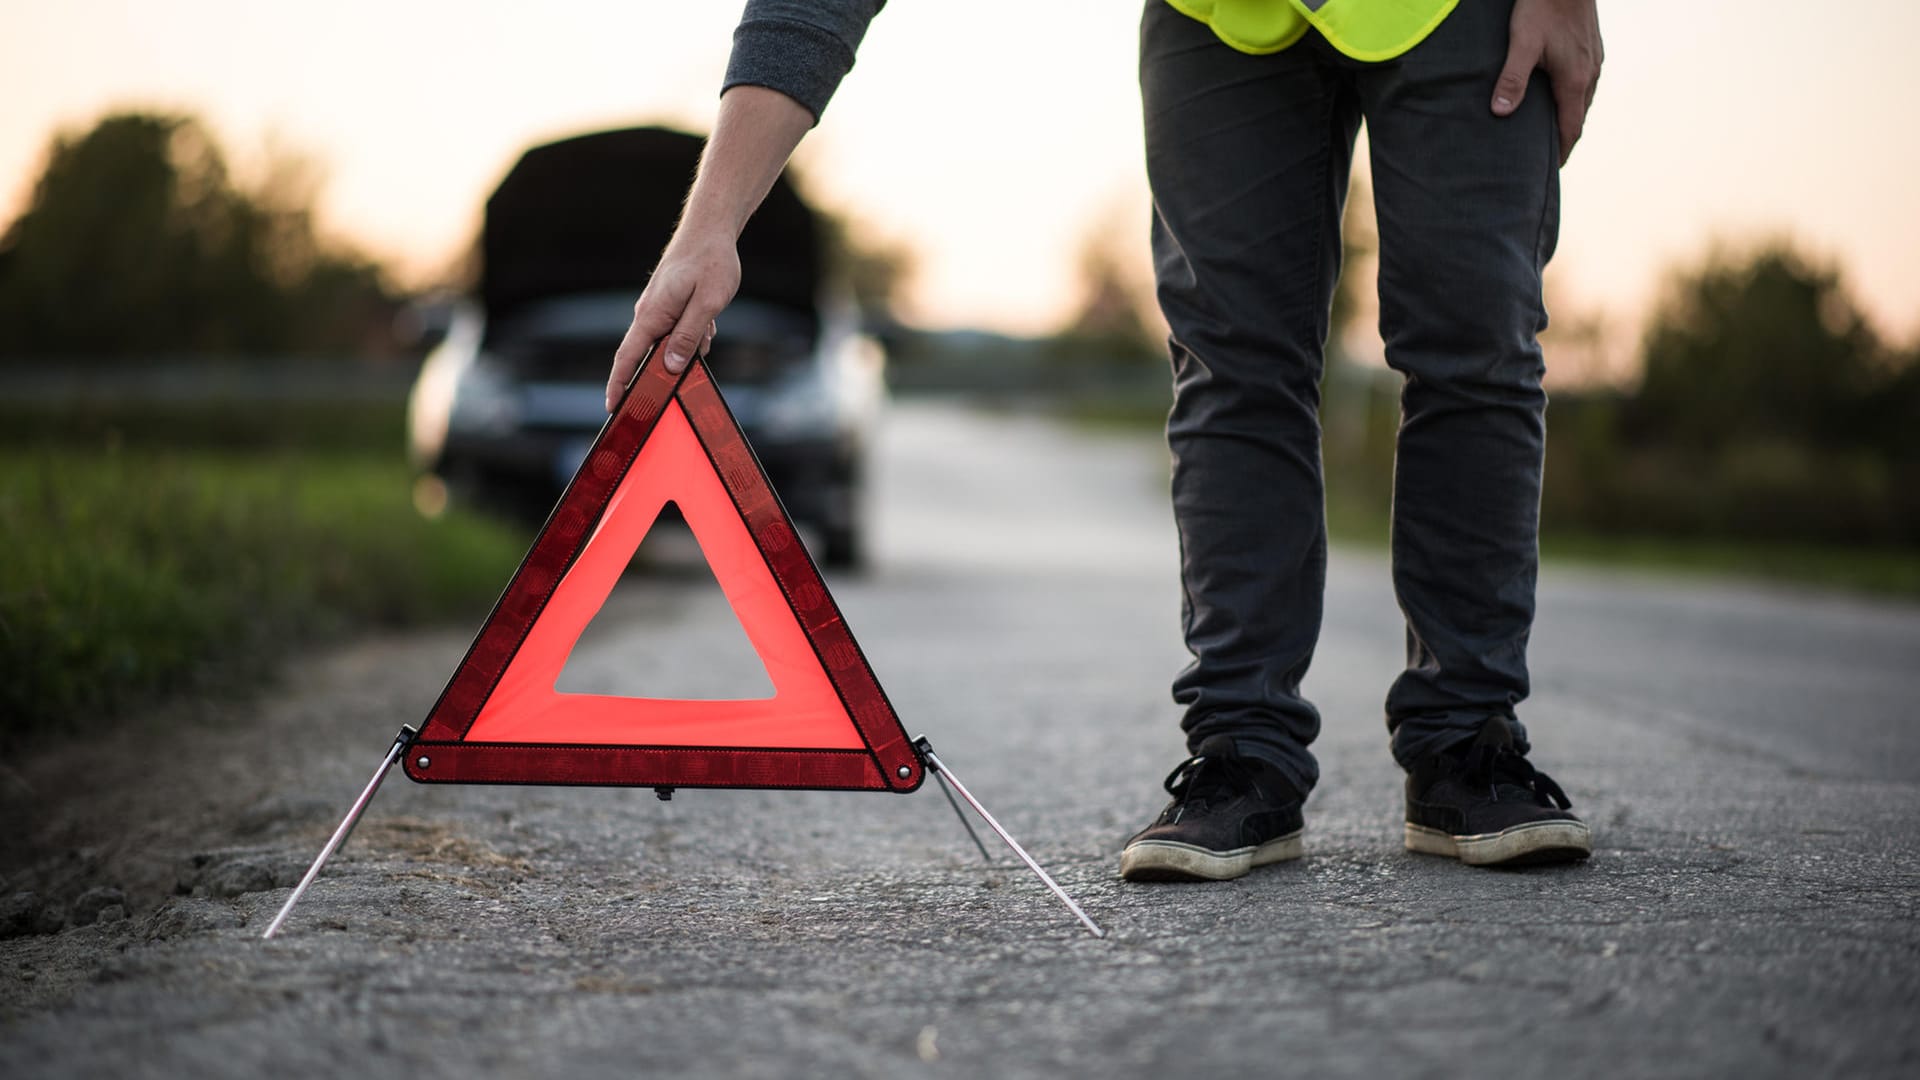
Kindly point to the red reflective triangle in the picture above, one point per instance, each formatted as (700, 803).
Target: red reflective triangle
(500, 719)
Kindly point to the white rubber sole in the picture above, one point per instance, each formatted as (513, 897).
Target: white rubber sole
(1535, 842)
(1167, 860)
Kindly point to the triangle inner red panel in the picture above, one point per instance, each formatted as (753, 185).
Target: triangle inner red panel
(827, 725)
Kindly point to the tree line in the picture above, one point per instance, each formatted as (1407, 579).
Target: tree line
(1766, 404)
(1765, 407)
(138, 240)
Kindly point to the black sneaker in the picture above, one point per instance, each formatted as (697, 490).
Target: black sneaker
(1229, 814)
(1488, 806)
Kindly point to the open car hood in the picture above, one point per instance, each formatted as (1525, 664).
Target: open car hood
(591, 214)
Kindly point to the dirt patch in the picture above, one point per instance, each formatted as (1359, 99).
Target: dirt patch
(211, 799)
(433, 841)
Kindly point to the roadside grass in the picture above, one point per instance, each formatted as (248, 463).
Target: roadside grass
(213, 424)
(135, 572)
(1880, 571)
(1888, 572)
(154, 551)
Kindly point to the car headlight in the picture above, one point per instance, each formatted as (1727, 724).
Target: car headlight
(808, 411)
(484, 400)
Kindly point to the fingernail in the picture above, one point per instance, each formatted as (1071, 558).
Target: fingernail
(1503, 104)
(675, 362)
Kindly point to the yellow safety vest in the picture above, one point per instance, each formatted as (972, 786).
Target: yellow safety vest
(1363, 29)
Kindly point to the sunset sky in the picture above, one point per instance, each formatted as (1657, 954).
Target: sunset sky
(992, 135)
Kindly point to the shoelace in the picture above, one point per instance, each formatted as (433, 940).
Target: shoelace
(1223, 775)
(1499, 767)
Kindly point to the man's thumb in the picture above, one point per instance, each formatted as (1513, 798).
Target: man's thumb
(1511, 88)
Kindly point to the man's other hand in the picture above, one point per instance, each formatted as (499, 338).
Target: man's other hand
(1561, 37)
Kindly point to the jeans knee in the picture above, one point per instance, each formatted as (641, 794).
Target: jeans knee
(1506, 375)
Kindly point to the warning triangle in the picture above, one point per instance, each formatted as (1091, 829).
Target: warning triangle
(502, 720)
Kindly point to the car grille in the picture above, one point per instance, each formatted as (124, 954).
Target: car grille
(577, 360)
(733, 362)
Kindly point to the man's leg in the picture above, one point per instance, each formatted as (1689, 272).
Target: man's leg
(1248, 158)
(1468, 207)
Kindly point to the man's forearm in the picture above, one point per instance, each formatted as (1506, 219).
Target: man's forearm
(754, 136)
(773, 96)
(700, 270)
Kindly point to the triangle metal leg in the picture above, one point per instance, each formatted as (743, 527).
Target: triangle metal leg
(400, 744)
(947, 790)
(940, 769)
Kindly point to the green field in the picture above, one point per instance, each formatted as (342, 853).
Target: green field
(137, 570)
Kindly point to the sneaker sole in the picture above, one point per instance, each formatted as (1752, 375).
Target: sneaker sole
(1522, 845)
(1166, 860)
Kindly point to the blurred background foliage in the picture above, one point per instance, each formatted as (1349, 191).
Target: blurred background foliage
(201, 431)
(1767, 409)
(139, 241)
(1763, 426)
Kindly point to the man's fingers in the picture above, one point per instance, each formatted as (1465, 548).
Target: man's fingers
(1573, 117)
(692, 333)
(1573, 112)
(676, 312)
(625, 359)
(1510, 89)
(1573, 85)
(649, 322)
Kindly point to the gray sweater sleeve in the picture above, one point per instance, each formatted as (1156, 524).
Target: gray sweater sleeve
(802, 48)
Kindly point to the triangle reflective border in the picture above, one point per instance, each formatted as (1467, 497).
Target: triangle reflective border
(500, 719)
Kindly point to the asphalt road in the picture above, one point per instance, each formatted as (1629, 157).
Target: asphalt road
(1744, 754)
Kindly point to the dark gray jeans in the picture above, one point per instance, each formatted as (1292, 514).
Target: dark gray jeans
(1248, 158)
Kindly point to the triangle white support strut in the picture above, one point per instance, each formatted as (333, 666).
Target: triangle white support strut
(940, 769)
(947, 790)
(400, 744)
